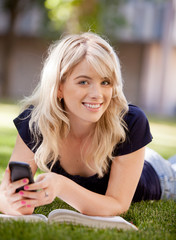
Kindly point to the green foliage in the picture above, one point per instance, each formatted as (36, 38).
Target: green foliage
(71, 16)
(75, 16)
(59, 11)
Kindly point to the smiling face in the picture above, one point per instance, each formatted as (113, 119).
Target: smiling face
(86, 94)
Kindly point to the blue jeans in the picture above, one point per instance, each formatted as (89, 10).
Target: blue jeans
(166, 171)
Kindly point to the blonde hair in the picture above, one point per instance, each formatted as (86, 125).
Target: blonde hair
(48, 117)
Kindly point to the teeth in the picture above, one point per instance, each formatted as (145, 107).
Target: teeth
(92, 105)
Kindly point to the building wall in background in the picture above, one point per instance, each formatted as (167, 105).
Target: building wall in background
(28, 55)
(146, 82)
(158, 80)
(147, 52)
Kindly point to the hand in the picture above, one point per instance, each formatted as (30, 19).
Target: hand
(12, 203)
(46, 188)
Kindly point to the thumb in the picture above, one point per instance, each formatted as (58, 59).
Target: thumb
(40, 177)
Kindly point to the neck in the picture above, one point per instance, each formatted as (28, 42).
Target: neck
(80, 133)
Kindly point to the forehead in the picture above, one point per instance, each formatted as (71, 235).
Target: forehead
(84, 68)
(91, 69)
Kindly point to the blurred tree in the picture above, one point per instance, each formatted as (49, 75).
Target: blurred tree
(74, 16)
(13, 8)
(69, 16)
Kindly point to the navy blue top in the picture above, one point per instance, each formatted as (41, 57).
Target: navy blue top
(137, 136)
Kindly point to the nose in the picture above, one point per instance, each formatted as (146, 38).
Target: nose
(95, 91)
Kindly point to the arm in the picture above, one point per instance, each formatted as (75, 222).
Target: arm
(124, 177)
(10, 201)
(22, 153)
(125, 173)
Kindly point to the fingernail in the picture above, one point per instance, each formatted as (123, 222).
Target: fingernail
(23, 202)
(26, 187)
(21, 193)
(28, 206)
(25, 180)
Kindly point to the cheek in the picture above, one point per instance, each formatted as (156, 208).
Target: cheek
(68, 94)
(71, 98)
(109, 95)
(108, 98)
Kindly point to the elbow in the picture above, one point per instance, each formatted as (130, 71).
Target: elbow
(119, 211)
(118, 205)
(125, 208)
(120, 208)
(112, 208)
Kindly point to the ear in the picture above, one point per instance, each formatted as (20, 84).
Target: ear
(59, 92)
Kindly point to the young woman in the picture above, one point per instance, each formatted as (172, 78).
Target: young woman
(78, 127)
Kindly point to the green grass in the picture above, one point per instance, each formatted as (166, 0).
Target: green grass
(155, 219)
(164, 136)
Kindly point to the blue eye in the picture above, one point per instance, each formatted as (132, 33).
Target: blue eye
(83, 83)
(106, 83)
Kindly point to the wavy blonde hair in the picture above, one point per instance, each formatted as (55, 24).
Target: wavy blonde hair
(48, 117)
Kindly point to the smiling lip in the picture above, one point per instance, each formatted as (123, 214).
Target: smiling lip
(92, 106)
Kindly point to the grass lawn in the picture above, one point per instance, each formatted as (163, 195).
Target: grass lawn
(155, 219)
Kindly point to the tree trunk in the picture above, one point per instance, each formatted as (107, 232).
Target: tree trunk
(8, 50)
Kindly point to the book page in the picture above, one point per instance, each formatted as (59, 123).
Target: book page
(26, 218)
(69, 216)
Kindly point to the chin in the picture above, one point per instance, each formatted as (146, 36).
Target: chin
(93, 120)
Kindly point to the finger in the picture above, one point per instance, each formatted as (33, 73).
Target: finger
(35, 202)
(29, 203)
(26, 210)
(31, 195)
(40, 177)
(37, 185)
(15, 197)
(17, 184)
(21, 203)
(34, 199)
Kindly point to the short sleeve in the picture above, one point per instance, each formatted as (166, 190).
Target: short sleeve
(22, 125)
(138, 134)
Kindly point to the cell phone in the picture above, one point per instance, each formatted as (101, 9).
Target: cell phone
(20, 170)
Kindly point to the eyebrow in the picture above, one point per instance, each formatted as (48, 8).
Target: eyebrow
(83, 76)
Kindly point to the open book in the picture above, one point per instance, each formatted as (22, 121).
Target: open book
(69, 216)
